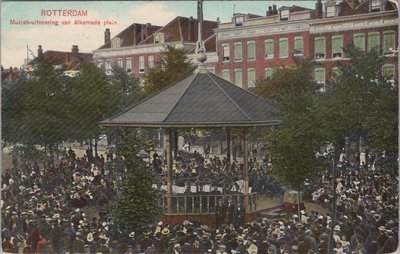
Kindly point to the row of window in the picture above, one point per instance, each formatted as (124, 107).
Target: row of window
(373, 41)
(128, 64)
(388, 70)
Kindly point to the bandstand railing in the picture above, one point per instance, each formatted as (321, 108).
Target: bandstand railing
(205, 203)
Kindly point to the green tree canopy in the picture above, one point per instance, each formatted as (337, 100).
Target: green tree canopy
(361, 101)
(293, 145)
(172, 66)
(138, 205)
(90, 101)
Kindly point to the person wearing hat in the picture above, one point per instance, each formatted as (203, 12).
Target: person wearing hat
(253, 249)
(205, 243)
(230, 210)
(56, 237)
(220, 213)
(239, 216)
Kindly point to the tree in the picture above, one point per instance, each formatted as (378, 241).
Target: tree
(12, 108)
(294, 145)
(91, 100)
(138, 205)
(290, 80)
(172, 66)
(125, 88)
(43, 105)
(362, 102)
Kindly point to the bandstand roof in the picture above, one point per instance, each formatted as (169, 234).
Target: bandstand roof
(199, 100)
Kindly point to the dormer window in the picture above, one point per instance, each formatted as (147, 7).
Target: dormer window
(284, 15)
(330, 11)
(239, 21)
(116, 42)
(159, 38)
(375, 5)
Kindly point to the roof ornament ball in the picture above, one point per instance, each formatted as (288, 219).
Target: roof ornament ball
(201, 56)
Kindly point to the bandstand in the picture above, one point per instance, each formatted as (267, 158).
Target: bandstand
(201, 100)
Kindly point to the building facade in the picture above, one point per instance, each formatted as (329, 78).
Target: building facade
(249, 48)
(138, 47)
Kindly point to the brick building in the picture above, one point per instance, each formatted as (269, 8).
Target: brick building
(138, 47)
(250, 47)
(69, 62)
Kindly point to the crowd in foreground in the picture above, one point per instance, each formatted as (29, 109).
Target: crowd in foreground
(62, 209)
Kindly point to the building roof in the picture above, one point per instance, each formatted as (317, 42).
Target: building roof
(11, 74)
(355, 7)
(133, 35)
(295, 8)
(199, 100)
(183, 29)
(68, 60)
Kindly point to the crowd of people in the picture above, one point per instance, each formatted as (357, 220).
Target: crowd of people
(62, 208)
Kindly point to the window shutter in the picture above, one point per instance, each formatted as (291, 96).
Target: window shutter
(320, 75)
(359, 41)
(388, 70)
(238, 51)
(238, 77)
(268, 72)
(251, 77)
(251, 50)
(269, 48)
(283, 47)
(373, 41)
(225, 75)
(389, 42)
(337, 44)
(319, 45)
(298, 45)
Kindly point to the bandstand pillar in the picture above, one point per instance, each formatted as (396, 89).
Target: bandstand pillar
(228, 145)
(245, 169)
(168, 146)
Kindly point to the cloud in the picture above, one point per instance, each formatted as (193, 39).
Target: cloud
(153, 12)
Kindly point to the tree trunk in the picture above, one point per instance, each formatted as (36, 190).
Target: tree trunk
(298, 204)
(96, 140)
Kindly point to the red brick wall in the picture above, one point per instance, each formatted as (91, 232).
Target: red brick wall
(260, 63)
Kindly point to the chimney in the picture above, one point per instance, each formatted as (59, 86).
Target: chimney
(218, 20)
(40, 51)
(134, 34)
(269, 11)
(318, 10)
(141, 32)
(274, 11)
(75, 49)
(107, 35)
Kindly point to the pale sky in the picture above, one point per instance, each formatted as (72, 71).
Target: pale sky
(15, 38)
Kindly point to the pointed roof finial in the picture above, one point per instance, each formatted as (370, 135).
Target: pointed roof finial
(200, 49)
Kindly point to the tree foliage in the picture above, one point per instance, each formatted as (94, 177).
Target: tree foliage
(91, 100)
(172, 66)
(138, 205)
(361, 101)
(291, 80)
(46, 107)
(125, 88)
(293, 146)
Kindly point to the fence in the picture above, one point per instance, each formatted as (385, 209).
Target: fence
(205, 203)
